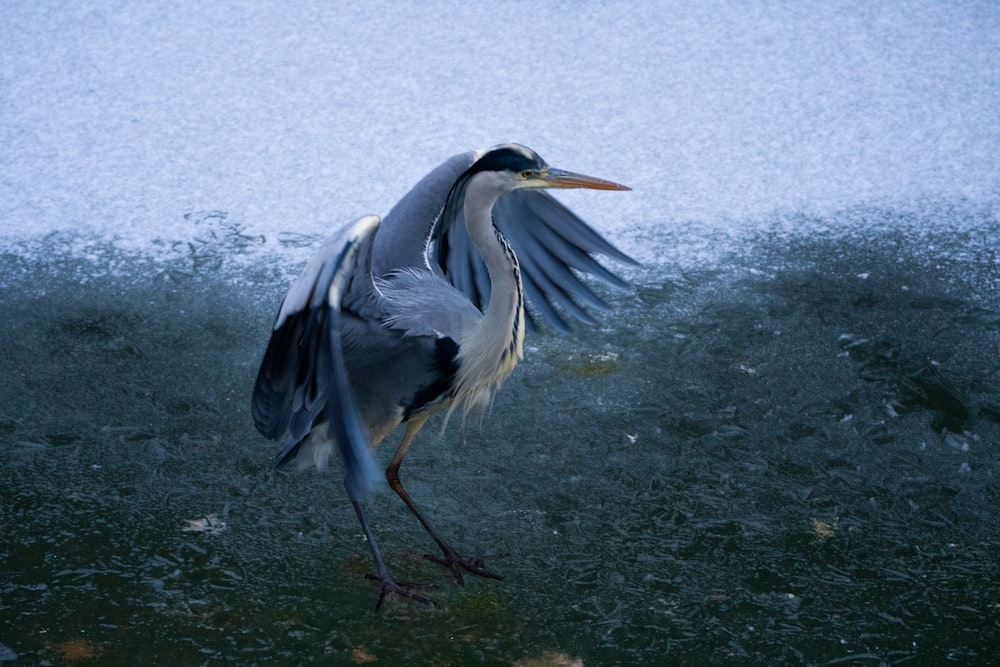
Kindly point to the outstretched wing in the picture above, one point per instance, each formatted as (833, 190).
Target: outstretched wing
(552, 245)
(303, 374)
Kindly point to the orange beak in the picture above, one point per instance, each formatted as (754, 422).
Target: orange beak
(557, 178)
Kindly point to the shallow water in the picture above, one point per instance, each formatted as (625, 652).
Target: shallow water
(789, 455)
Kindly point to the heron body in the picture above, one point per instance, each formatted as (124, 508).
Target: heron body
(394, 320)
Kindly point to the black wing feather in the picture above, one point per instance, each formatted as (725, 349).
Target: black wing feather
(303, 376)
(550, 241)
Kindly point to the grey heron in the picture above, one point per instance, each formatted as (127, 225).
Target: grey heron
(395, 320)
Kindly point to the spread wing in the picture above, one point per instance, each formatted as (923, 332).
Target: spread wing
(553, 247)
(303, 374)
(552, 244)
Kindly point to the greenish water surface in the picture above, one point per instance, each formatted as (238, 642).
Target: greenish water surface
(788, 457)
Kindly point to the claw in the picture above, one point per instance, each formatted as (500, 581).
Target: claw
(401, 588)
(456, 563)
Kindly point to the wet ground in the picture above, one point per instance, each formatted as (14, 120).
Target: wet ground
(788, 455)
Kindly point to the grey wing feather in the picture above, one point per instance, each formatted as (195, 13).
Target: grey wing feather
(550, 241)
(407, 229)
(552, 244)
(421, 303)
(303, 374)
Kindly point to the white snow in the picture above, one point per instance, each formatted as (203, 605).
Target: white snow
(125, 121)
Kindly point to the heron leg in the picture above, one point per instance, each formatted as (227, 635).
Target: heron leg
(451, 558)
(388, 582)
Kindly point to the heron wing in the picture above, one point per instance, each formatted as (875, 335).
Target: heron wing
(553, 246)
(303, 374)
(407, 229)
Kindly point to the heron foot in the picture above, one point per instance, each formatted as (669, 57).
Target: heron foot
(456, 563)
(404, 589)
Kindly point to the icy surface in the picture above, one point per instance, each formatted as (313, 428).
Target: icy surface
(779, 447)
(127, 120)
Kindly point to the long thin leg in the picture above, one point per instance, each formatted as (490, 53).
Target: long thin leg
(452, 559)
(389, 584)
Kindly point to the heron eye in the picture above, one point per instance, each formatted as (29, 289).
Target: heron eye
(528, 173)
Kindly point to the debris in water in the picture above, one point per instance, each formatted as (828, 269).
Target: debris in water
(209, 524)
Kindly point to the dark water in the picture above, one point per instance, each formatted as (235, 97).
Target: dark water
(791, 456)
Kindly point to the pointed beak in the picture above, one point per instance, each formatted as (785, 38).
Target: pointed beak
(557, 178)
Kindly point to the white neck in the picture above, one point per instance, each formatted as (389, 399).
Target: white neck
(505, 283)
(491, 349)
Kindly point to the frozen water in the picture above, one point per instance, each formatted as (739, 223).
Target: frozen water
(123, 122)
(779, 447)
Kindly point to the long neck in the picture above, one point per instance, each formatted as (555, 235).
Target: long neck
(491, 349)
(505, 276)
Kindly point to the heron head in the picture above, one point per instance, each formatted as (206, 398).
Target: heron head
(518, 167)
